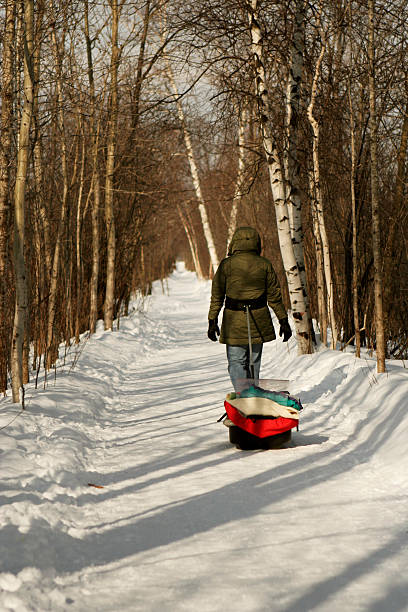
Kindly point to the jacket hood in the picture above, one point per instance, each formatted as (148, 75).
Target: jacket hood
(245, 239)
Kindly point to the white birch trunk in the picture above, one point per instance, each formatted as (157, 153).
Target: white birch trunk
(293, 192)
(21, 308)
(286, 152)
(319, 200)
(232, 225)
(293, 111)
(375, 207)
(194, 173)
(296, 293)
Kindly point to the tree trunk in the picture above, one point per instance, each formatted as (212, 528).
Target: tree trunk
(95, 182)
(293, 193)
(21, 309)
(293, 111)
(40, 221)
(5, 159)
(52, 299)
(78, 233)
(321, 293)
(93, 285)
(109, 304)
(353, 204)
(354, 217)
(319, 199)
(194, 174)
(375, 205)
(192, 241)
(296, 292)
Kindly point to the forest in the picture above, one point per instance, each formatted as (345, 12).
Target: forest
(138, 133)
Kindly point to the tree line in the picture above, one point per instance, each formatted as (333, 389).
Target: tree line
(134, 133)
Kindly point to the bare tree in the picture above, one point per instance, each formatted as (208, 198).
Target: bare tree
(58, 53)
(375, 204)
(95, 180)
(5, 161)
(353, 198)
(318, 199)
(110, 168)
(20, 272)
(318, 247)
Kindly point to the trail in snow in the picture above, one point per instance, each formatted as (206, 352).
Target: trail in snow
(184, 521)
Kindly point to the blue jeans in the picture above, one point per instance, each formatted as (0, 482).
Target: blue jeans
(238, 362)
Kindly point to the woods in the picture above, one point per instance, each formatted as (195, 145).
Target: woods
(134, 134)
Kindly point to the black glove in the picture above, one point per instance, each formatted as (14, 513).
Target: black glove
(213, 330)
(285, 330)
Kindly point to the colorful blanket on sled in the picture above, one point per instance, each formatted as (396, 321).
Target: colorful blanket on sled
(261, 412)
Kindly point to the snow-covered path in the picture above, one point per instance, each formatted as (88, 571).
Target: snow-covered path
(183, 520)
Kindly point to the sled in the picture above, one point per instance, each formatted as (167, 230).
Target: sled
(246, 441)
(258, 418)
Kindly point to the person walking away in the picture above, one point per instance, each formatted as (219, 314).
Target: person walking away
(246, 284)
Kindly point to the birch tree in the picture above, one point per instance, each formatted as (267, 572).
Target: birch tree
(293, 116)
(293, 110)
(276, 176)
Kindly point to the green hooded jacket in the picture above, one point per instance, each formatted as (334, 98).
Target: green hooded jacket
(243, 275)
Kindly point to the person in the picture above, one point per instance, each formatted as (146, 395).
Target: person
(245, 279)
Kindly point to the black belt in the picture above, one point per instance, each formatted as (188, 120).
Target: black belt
(255, 304)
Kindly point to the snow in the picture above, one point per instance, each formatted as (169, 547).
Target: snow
(120, 491)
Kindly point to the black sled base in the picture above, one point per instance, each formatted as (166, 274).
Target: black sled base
(247, 441)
